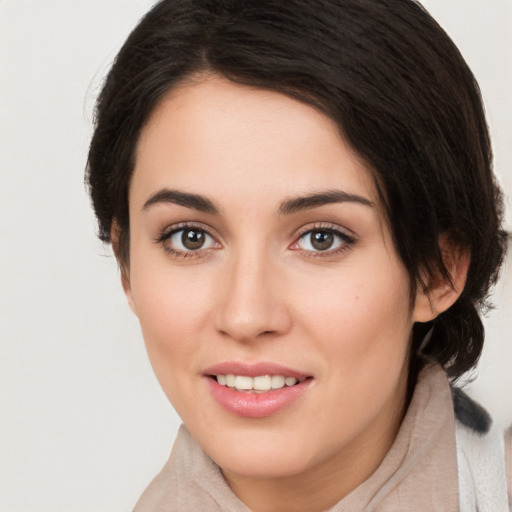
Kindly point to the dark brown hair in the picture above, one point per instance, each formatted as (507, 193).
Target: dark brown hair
(391, 79)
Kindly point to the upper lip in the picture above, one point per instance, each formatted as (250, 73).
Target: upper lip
(254, 369)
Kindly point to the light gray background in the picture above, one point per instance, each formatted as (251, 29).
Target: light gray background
(83, 423)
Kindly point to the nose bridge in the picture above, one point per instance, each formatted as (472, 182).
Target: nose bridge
(251, 302)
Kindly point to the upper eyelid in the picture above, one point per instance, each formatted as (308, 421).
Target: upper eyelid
(166, 232)
(326, 226)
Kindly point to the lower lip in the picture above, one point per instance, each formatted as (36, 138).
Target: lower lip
(256, 405)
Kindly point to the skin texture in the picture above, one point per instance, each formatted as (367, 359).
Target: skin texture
(259, 291)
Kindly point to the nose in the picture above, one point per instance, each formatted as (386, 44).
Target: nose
(251, 301)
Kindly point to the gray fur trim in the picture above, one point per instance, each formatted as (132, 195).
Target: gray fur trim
(469, 413)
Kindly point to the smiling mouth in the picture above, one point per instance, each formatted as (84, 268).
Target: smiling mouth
(258, 384)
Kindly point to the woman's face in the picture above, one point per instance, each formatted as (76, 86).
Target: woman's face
(258, 250)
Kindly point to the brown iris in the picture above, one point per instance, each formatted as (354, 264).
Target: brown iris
(193, 239)
(322, 240)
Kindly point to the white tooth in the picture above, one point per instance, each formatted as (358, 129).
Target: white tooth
(221, 379)
(262, 383)
(230, 381)
(243, 382)
(290, 381)
(277, 381)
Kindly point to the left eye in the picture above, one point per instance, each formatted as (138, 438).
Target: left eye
(190, 239)
(321, 240)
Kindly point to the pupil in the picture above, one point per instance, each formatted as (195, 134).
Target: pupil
(322, 240)
(192, 239)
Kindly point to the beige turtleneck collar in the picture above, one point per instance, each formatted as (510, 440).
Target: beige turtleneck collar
(418, 473)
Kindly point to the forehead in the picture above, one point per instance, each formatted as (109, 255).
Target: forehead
(241, 142)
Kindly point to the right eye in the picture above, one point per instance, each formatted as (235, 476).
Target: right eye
(191, 239)
(187, 241)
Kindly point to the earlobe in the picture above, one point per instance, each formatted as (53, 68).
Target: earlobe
(123, 265)
(441, 294)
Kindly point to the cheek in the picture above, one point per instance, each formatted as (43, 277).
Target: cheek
(363, 335)
(361, 320)
(172, 307)
(358, 302)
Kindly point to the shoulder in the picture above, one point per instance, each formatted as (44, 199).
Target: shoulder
(480, 457)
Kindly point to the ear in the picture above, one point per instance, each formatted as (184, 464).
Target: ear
(442, 294)
(124, 266)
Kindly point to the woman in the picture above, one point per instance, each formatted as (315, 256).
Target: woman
(301, 201)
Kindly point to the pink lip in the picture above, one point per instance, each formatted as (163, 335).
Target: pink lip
(255, 405)
(253, 369)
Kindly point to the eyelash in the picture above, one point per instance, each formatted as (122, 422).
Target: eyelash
(346, 241)
(166, 235)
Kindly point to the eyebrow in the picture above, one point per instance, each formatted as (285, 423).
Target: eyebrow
(288, 207)
(195, 201)
(319, 199)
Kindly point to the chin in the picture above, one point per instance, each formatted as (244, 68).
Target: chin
(261, 468)
(261, 458)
